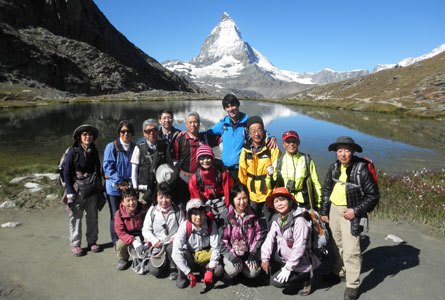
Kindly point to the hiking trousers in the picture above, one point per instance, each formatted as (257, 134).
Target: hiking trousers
(89, 205)
(346, 247)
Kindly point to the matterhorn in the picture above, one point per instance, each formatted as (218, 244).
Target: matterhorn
(228, 64)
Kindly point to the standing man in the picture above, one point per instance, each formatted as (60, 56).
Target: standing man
(186, 145)
(234, 134)
(349, 193)
(167, 132)
(292, 171)
(147, 157)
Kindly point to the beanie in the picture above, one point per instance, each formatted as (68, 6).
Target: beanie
(204, 150)
(253, 120)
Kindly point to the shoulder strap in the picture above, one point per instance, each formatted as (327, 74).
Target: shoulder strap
(188, 226)
(115, 149)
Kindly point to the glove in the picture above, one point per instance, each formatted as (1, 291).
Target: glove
(283, 276)
(251, 260)
(192, 280)
(142, 187)
(270, 170)
(208, 277)
(139, 248)
(237, 262)
(71, 197)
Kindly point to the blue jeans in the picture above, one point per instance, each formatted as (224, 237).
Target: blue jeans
(113, 203)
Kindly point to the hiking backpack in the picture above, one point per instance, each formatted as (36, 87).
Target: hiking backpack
(61, 165)
(363, 162)
(319, 234)
(219, 169)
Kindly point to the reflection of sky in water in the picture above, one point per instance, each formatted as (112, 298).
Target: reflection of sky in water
(317, 135)
(41, 134)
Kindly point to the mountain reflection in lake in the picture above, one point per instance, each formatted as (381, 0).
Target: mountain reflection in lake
(395, 144)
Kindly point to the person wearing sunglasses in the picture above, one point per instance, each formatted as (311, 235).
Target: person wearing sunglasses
(147, 157)
(83, 188)
(117, 169)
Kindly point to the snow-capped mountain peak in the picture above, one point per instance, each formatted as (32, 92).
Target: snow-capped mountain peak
(226, 63)
(224, 40)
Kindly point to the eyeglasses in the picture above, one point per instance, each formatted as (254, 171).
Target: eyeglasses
(86, 133)
(125, 131)
(253, 132)
(148, 131)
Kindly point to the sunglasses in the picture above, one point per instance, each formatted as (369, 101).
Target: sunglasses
(148, 131)
(86, 133)
(125, 131)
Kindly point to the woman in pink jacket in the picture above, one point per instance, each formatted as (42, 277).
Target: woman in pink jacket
(241, 236)
(286, 245)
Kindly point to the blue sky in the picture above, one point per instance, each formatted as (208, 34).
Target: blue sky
(300, 36)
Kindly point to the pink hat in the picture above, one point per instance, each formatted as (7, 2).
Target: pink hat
(204, 150)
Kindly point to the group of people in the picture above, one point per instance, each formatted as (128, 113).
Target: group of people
(177, 209)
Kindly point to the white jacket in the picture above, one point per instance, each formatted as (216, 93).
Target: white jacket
(161, 229)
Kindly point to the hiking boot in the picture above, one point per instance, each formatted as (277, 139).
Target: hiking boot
(122, 264)
(95, 248)
(351, 294)
(77, 251)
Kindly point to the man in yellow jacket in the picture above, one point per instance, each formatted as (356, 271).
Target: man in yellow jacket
(292, 170)
(255, 158)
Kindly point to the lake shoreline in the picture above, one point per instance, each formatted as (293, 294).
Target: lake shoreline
(18, 96)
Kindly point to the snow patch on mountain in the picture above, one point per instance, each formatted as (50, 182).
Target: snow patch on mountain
(410, 60)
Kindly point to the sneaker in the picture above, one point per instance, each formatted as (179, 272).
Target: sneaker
(351, 294)
(122, 264)
(95, 248)
(77, 251)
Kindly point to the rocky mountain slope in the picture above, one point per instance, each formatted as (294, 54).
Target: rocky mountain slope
(418, 89)
(228, 64)
(70, 46)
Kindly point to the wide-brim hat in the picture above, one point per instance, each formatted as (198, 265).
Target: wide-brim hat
(345, 140)
(166, 173)
(280, 191)
(85, 127)
(157, 259)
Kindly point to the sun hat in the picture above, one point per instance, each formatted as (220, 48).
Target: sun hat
(345, 140)
(204, 150)
(85, 127)
(166, 173)
(280, 191)
(158, 255)
(253, 120)
(289, 134)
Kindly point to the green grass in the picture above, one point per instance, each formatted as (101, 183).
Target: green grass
(418, 196)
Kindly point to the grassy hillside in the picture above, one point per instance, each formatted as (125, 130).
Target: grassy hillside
(417, 90)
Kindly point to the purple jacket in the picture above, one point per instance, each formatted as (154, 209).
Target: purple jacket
(248, 230)
(291, 242)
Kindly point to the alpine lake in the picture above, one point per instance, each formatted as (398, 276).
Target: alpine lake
(396, 145)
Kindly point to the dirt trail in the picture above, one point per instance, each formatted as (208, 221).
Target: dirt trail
(36, 263)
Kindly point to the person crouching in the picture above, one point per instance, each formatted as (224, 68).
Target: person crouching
(286, 243)
(160, 226)
(211, 183)
(241, 236)
(128, 222)
(195, 247)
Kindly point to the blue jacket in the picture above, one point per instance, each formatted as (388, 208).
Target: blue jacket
(233, 138)
(116, 165)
